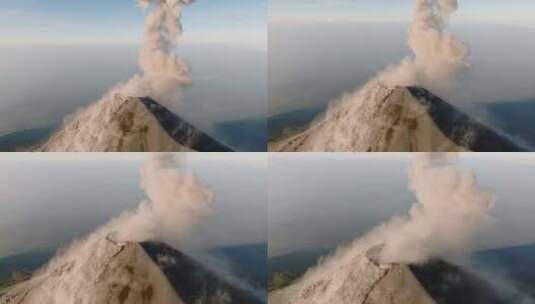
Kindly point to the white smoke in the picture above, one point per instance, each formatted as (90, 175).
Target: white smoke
(176, 202)
(437, 55)
(163, 71)
(450, 211)
(163, 74)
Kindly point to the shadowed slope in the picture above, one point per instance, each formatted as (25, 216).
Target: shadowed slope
(193, 281)
(461, 128)
(181, 131)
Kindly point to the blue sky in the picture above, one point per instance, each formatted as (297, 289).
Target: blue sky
(514, 12)
(121, 21)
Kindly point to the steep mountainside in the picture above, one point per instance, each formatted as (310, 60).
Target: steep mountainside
(119, 124)
(359, 280)
(108, 273)
(396, 119)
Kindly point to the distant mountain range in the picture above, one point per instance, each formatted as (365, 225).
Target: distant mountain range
(24, 140)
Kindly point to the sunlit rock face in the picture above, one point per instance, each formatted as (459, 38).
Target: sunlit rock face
(108, 273)
(117, 124)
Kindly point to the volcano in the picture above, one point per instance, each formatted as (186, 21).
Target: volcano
(397, 119)
(114, 272)
(362, 279)
(118, 124)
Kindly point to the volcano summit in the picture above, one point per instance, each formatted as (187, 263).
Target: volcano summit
(398, 119)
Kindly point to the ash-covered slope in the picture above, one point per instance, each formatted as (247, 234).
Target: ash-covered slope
(126, 273)
(361, 280)
(380, 118)
(118, 124)
(110, 273)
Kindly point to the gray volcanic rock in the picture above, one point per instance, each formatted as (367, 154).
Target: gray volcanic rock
(118, 124)
(399, 119)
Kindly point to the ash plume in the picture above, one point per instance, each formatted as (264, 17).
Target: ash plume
(163, 75)
(176, 202)
(450, 210)
(437, 55)
(163, 72)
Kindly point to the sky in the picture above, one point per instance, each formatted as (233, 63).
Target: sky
(316, 50)
(512, 12)
(121, 21)
(57, 56)
(49, 200)
(325, 200)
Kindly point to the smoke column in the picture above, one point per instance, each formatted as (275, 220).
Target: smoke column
(176, 202)
(450, 210)
(163, 71)
(437, 55)
(163, 74)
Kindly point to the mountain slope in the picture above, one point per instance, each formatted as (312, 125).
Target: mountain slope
(357, 280)
(105, 271)
(118, 124)
(362, 279)
(408, 119)
(193, 281)
(109, 272)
